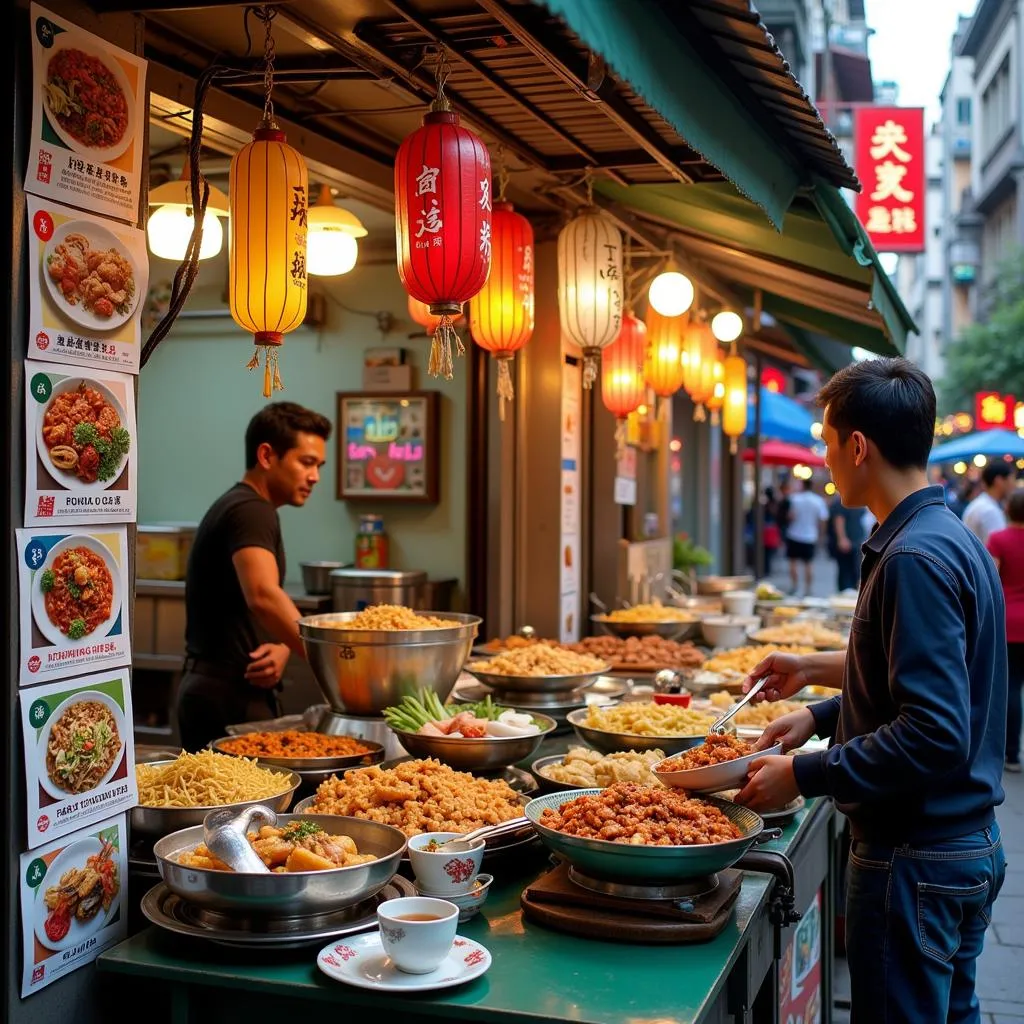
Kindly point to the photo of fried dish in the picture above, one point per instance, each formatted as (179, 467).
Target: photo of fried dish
(83, 745)
(298, 846)
(87, 884)
(78, 591)
(99, 280)
(83, 435)
(85, 99)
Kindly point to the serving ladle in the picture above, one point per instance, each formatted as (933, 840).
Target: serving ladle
(225, 833)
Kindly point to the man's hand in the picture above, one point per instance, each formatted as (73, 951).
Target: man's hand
(267, 665)
(792, 731)
(771, 784)
(785, 675)
(844, 545)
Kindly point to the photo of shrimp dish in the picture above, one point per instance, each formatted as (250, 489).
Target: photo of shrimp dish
(101, 280)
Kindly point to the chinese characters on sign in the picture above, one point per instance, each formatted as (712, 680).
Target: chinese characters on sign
(994, 411)
(891, 168)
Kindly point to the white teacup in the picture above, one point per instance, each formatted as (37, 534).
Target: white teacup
(417, 932)
(444, 873)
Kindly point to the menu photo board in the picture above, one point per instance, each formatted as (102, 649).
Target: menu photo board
(80, 446)
(388, 446)
(569, 548)
(88, 119)
(87, 284)
(79, 753)
(74, 597)
(72, 896)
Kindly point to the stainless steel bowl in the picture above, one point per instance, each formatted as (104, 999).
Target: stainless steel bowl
(484, 754)
(722, 584)
(645, 865)
(285, 894)
(669, 629)
(160, 821)
(363, 671)
(545, 783)
(506, 684)
(374, 753)
(316, 576)
(612, 742)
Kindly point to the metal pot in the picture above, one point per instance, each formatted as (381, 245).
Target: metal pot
(352, 590)
(316, 576)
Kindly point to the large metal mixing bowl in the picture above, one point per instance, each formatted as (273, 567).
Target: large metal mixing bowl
(611, 742)
(668, 629)
(364, 671)
(285, 894)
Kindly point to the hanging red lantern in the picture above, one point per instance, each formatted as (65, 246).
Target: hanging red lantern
(419, 313)
(501, 313)
(663, 369)
(443, 220)
(622, 373)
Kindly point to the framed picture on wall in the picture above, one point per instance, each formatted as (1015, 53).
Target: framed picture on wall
(388, 446)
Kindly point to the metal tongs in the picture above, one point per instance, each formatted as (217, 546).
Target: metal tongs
(463, 843)
(719, 726)
(226, 836)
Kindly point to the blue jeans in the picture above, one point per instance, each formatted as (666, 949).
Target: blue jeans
(915, 925)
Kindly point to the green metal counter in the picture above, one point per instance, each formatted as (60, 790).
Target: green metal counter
(536, 974)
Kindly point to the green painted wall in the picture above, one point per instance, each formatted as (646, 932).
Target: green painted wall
(196, 397)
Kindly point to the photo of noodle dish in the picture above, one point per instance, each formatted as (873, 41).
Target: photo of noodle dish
(76, 593)
(79, 895)
(87, 99)
(90, 275)
(81, 435)
(81, 743)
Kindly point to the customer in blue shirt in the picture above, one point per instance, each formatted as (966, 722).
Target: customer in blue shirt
(918, 732)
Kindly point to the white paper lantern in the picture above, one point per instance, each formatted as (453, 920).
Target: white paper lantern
(590, 285)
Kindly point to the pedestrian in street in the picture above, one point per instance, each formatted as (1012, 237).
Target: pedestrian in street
(918, 733)
(808, 515)
(846, 534)
(772, 531)
(1007, 548)
(984, 515)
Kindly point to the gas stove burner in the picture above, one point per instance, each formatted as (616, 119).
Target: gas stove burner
(689, 890)
(169, 911)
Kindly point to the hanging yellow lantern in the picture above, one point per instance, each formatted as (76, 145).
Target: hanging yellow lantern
(734, 409)
(269, 197)
(715, 402)
(663, 369)
(700, 350)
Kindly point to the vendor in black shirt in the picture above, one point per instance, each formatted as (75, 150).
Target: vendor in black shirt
(240, 624)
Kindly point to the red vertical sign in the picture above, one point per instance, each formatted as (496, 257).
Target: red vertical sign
(890, 164)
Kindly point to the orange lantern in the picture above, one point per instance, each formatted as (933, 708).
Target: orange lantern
(622, 373)
(734, 409)
(699, 351)
(663, 369)
(501, 313)
(714, 403)
(419, 313)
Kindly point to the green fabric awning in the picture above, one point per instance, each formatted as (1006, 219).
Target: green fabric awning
(645, 46)
(820, 274)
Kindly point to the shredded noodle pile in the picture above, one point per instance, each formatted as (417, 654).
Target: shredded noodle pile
(206, 779)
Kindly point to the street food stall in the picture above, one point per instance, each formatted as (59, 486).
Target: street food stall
(533, 481)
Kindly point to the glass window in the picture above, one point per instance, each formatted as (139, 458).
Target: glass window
(963, 110)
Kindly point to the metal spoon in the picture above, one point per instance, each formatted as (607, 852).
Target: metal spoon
(719, 726)
(225, 835)
(464, 843)
(598, 603)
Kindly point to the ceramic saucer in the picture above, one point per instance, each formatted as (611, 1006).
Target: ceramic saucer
(360, 960)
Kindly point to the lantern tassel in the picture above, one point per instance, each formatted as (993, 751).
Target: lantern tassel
(715, 418)
(699, 414)
(733, 444)
(441, 364)
(589, 371)
(271, 371)
(505, 390)
(621, 429)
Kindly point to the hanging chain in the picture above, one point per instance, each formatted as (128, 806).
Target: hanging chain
(267, 14)
(588, 180)
(503, 176)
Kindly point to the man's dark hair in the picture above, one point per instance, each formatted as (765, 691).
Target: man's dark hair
(1015, 506)
(278, 425)
(995, 471)
(891, 402)
(809, 484)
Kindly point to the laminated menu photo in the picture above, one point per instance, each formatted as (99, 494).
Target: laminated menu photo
(80, 441)
(72, 896)
(88, 119)
(73, 586)
(79, 753)
(87, 287)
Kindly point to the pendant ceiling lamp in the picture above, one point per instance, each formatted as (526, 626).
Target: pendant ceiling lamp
(590, 293)
(269, 190)
(333, 230)
(671, 293)
(443, 219)
(734, 409)
(727, 326)
(622, 374)
(663, 368)
(170, 223)
(501, 313)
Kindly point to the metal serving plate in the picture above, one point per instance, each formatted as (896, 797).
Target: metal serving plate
(645, 865)
(612, 742)
(375, 753)
(280, 894)
(604, 690)
(669, 629)
(161, 821)
(507, 684)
